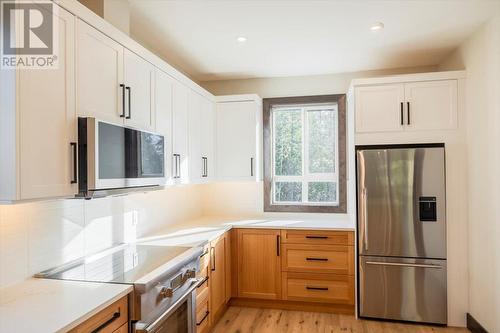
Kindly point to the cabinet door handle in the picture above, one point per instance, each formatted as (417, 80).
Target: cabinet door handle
(317, 237)
(203, 319)
(251, 166)
(317, 259)
(75, 161)
(278, 245)
(317, 288)
(176, 166)
(206, 166)
(408, 112)
(204, 172)
(212, 249)
(123, 100)
(401, 116)
(129, 103)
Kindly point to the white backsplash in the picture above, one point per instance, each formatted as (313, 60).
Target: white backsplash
(40, 235)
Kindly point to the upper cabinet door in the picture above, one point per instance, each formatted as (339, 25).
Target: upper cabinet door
(180, 161)
(139, 78)
(208, 137)
(48, 123)
(196, 162)
(99, 75)
(431, 105)
(163, 115)
(236, 140)
(379, 108)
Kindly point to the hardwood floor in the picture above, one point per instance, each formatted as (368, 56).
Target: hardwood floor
(253, 320)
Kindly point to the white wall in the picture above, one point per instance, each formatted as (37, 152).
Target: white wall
(40, 235)
(480, 56)
(300, 85)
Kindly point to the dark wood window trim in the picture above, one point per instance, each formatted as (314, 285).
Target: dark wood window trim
(268, 104)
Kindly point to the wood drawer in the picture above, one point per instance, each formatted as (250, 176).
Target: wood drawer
(318, 259)
(123, 329)
(315, 237)
(202, 295)
(325, 288)
(202, 317)
(110, 319)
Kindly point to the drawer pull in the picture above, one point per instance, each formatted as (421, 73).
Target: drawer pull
(317, 237)
(108, 322)
(202, 282)
(203, 319)
(317, 288)
(317, 259)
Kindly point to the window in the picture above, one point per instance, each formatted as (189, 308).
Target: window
(304, 146)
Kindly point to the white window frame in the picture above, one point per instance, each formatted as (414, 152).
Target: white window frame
(306, 176)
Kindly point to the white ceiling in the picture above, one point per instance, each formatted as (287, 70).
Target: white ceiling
(290, 38)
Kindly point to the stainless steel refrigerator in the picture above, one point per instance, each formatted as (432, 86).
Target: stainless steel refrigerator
(402, 232)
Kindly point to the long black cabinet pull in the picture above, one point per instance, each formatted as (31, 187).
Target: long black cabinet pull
(204, 172)
(178, 165)
(75, 161)
(177, 172)
(251, 166)
(402, 121)
(278, 245)
(317, 237)
(123, 100)
(129, 103)
(115, 316)
(408, 112)
(203, 319)
(317, 259)
(213, 258)
(317, 288)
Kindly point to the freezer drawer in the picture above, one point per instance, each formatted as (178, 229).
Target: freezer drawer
(403, 289)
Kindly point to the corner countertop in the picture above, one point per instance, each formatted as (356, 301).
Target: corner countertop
(205, 229)
(48, 306)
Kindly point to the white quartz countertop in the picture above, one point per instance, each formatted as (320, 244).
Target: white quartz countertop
(49, 306)
(206, 229)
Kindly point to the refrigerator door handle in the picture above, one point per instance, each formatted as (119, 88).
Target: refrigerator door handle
(364, 193)
(402, 264)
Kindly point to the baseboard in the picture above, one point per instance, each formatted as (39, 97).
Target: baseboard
(293, 305)
(474, 326)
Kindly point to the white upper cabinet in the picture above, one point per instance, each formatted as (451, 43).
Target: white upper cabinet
(239, 138)
(180, 150)
(41, 123)
(379, 108)
(163, 109)
(114, 84)
(139, 78)
(201, 138)
(415, 106)
(208, 138)
(431, 105)
(99, 75)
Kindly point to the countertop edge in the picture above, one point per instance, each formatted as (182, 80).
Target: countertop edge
(95, 310)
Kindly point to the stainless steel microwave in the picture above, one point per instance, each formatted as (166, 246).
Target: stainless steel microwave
(114, 158)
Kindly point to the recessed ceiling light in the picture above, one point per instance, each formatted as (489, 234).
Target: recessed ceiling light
(241, 39)
(377, 26)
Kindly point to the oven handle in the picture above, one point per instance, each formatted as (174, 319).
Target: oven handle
(158, 322)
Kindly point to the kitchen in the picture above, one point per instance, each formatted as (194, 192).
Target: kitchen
(168, 174)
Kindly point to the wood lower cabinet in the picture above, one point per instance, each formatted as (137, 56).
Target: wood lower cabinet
(113, 319)
(259, 263)
(217, 276)
(336, 259)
